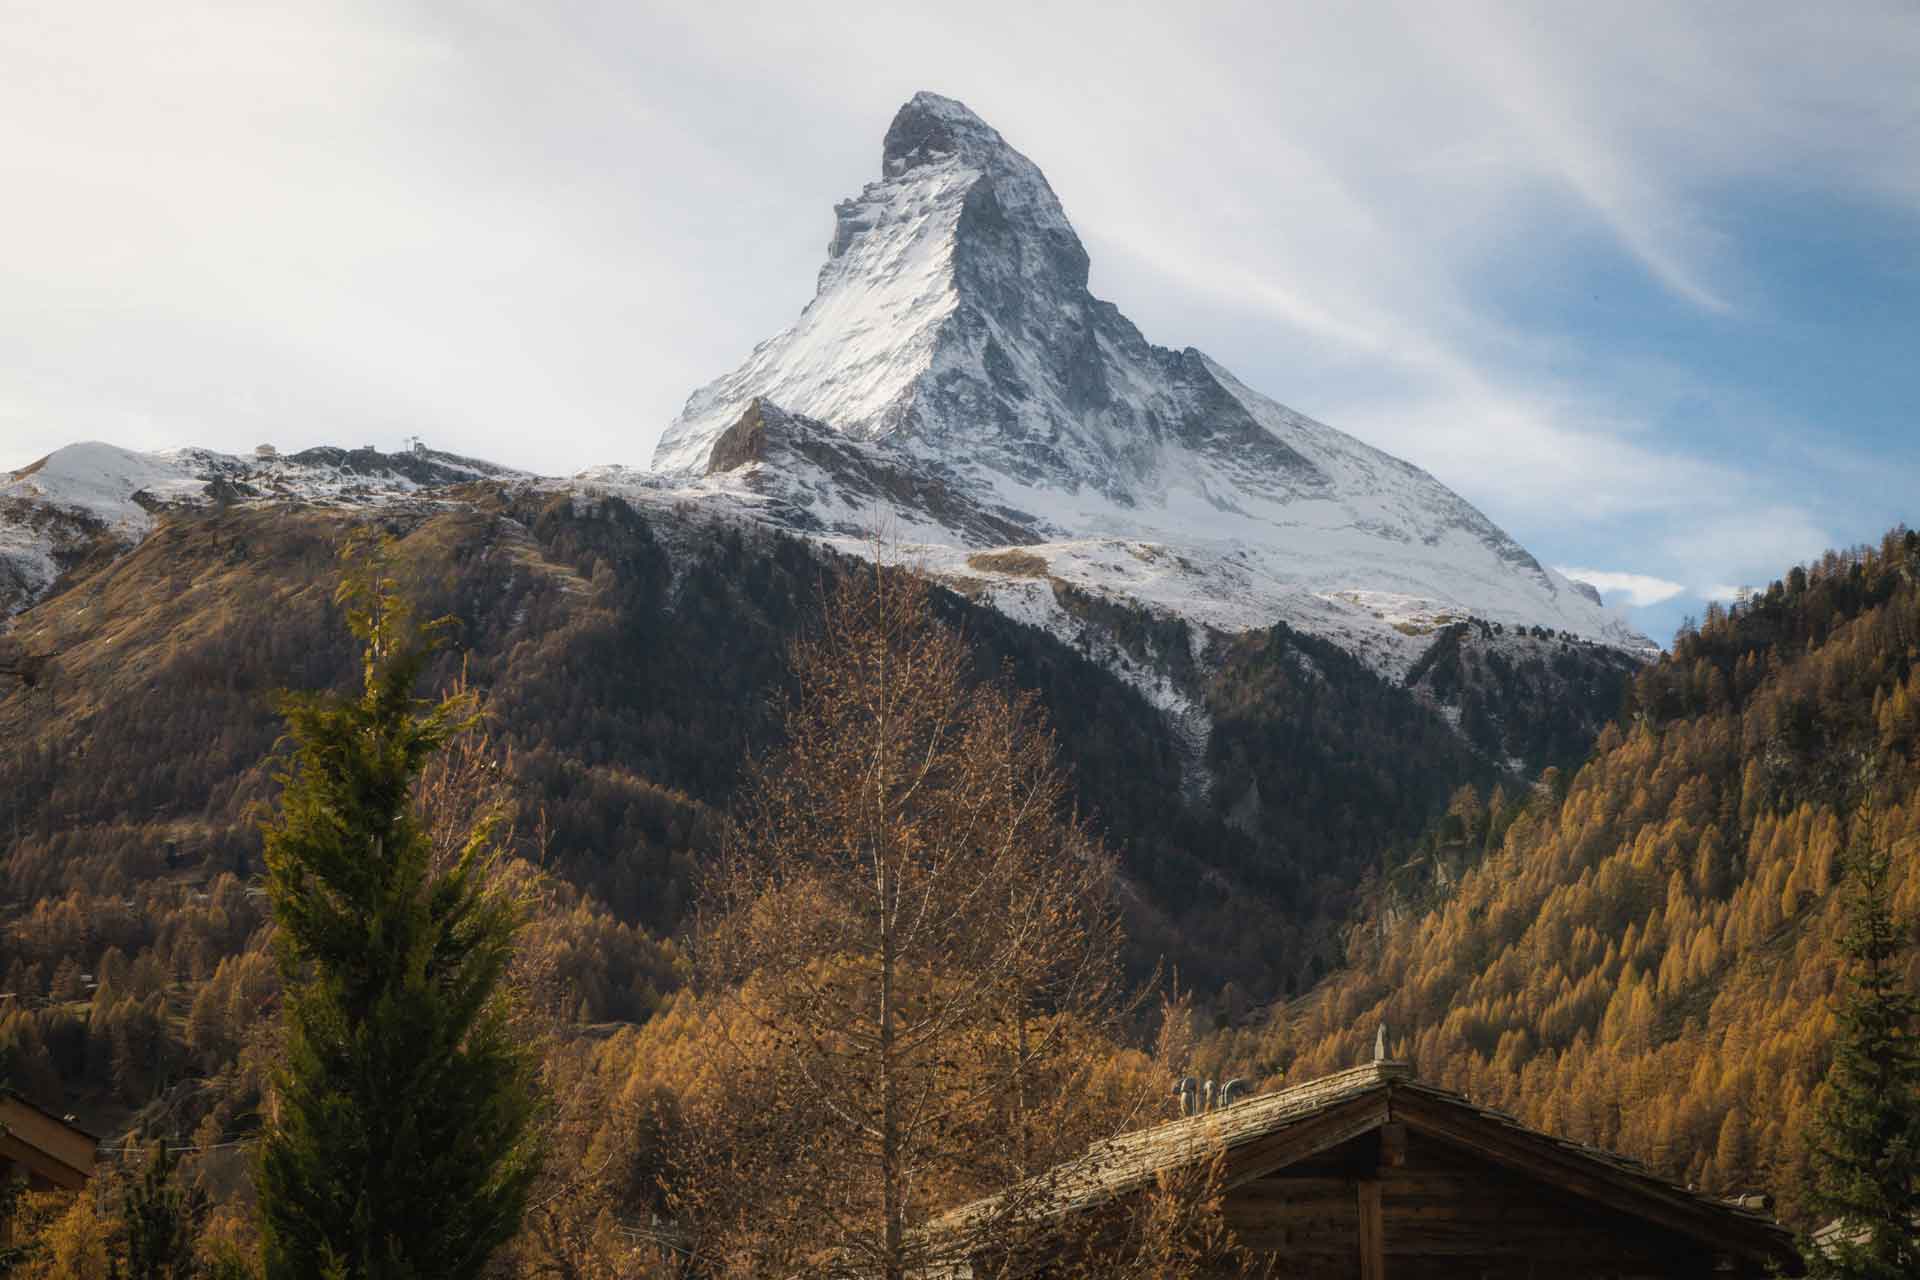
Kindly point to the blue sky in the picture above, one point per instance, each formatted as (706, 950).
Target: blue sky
(1640, 280)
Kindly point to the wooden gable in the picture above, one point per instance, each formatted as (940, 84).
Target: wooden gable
(1432, 1211)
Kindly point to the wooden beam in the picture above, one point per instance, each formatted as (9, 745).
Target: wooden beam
(1373, 1232)
(1393, 1145)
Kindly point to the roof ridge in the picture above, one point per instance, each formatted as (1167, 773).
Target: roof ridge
(1381, 1071)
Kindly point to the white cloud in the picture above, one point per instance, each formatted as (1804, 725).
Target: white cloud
(1640, 589)
(1725, 593)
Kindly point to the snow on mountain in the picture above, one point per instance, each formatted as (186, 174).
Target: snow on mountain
(100, 480)
(954, 388)
(55, 511)
(61, 504)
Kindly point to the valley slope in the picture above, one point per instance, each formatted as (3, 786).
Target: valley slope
(1646, 957)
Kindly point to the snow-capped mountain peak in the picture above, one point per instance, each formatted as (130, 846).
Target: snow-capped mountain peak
(933, 133)
(952, 348)
(956, 242)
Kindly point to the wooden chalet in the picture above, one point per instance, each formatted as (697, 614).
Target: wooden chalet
(1369, 1173)
(50, 1151)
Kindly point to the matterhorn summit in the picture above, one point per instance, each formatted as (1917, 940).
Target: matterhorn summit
(954, 388)
(953, 319)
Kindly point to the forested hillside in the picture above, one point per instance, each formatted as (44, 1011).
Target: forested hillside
(1644, 958)
(629, 665)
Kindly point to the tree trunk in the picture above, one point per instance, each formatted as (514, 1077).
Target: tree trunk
(894, 1265)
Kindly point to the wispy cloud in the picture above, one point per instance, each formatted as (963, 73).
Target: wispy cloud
(1531, 79)
(1641, 590)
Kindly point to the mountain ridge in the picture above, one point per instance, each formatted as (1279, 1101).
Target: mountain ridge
(96, 499)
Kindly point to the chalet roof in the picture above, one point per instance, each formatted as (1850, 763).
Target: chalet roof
(45, 1145)
(1267, 1132)
(12, 1099)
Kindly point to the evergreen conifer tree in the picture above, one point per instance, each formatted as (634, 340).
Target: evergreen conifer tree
(401, 1137)
(160, 1220)
(1867, 1146)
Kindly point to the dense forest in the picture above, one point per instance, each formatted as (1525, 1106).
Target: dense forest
(1642, 953)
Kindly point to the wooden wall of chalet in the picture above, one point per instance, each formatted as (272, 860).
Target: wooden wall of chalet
(1430, 1211)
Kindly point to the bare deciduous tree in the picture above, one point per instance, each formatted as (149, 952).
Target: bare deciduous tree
(914, 948)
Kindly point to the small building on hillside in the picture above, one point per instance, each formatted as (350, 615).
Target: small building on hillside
(51, 1152)
(1369, 1173)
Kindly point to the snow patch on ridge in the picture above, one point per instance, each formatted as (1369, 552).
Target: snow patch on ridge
(84, 494)
(99, 482)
